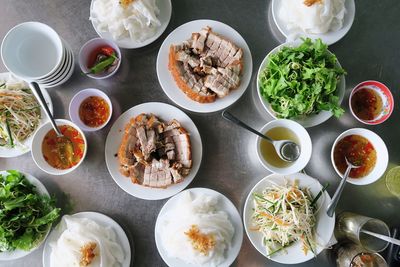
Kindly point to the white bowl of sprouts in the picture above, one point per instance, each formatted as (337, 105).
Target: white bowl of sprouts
(20, 115)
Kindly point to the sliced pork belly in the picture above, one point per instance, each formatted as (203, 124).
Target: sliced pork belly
(186, 82)
(154, 153)
(205, 66)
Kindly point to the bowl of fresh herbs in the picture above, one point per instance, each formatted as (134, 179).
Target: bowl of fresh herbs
(26, 214)
(302, 81)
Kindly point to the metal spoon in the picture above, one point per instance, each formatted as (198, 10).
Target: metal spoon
(335, 200)
(64, 144)
(287, 150)
(382, 237)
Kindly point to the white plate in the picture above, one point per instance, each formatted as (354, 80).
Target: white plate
(16, 254)
(310, 120)
(324, 228)
(66, 73)
(101, 219)
(329, 37)
(19, 150)
(168, 83)
(224, 204)
(164, 17)
(165, 112)
(63, 69)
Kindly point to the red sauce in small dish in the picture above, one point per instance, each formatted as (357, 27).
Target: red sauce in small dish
(366, 104)
(359, 151)
(94, 111)
(58, 153)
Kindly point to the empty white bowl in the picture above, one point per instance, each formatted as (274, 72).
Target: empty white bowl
(304, 143)
(86, 51)
(76, 103)
(32, 50)
(382, 156)
(37, 153)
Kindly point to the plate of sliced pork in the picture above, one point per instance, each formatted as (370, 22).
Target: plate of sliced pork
(153, 151)
(204, 66)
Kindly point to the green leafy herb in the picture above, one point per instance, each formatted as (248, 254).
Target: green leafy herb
(302, 80)
(25, 215)
(9, 133)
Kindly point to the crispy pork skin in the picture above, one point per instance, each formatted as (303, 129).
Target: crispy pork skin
(206, 66)
(154, 153)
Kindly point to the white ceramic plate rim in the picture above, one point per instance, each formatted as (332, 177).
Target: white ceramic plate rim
(311, 120)
(18, 151)
(324, 228)
(16, 254)
(305, 146)
(165, 7)
(330, 37)
(67, 73)
(33, 23)
(113, 141)
(101, 219)
(224, 204)
(75, 104)
(382, 157)
(168, 83)
(64, 67)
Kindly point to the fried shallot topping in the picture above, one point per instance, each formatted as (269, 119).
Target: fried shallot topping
(200, 242)
(87, 254)
(125, 3)
(311, 2)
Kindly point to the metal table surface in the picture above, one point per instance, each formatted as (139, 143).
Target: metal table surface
(369, 51)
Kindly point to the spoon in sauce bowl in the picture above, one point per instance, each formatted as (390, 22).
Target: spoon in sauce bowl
(335, 200)
(64, 144)
(287, 150)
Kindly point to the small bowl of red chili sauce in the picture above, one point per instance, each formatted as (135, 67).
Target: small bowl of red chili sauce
(90, 109)
(99, 58)
(362, 148)
(371, 102)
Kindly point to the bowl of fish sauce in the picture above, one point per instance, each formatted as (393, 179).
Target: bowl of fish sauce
(371, 102)
(362, 148)
(99, 58)
(59, 155)
(282, 129)
(90, 109)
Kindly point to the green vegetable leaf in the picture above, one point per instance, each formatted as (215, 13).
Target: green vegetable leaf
(25, 215)
(302, 80)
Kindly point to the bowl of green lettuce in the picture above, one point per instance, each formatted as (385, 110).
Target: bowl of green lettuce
(302, 81)
(26, 214)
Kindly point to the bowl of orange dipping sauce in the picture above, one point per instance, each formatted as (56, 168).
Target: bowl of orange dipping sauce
(371, 102)
(90, 109)
(53, 154)
(362, 148)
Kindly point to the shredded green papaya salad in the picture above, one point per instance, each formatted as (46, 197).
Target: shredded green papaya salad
(25, 214)
(284, 215)
(303, 80)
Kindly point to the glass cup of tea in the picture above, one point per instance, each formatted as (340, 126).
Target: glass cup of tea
(393, 181)
(352, 255)
(350, 225)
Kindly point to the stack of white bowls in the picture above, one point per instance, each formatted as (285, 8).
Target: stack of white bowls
(36, 53)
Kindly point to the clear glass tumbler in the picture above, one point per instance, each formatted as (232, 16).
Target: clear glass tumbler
(351, 255)
(350, 225)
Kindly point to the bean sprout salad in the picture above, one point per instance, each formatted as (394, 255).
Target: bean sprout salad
(284, 215)
(19, 113)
